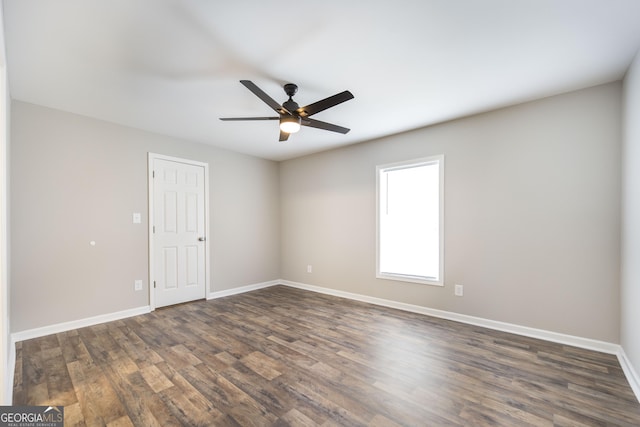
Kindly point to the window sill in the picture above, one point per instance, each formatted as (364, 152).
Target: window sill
(411, 279)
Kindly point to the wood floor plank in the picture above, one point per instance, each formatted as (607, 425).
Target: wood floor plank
(59, 382)
(263, 365)
(296, 418)
(90, 412)
(144, 407)
(121, 422)
(286, 357)
(155, 378)
(73, 415)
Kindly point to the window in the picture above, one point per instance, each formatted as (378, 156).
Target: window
(410, 213)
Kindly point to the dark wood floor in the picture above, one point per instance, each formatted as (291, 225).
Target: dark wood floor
(282, 356)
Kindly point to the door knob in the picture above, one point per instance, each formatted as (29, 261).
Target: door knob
(202, 239)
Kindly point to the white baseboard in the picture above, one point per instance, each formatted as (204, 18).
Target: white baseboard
(76, 324)
(242, 289)
(10, 375)
(103, 318)
(585, 343)
(629, 372)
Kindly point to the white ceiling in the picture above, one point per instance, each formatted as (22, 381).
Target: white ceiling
(173, 66)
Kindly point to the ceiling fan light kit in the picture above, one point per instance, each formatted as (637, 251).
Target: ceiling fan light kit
(291, 116)
(289, 124)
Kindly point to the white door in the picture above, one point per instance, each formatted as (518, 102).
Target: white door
(179, 235)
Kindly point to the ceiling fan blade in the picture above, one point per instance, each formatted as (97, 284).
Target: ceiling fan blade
(262, 95)
(283, 136)
(323, 125)
(229, 119)
(323, 104)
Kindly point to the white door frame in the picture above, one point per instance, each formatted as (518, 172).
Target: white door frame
(151, 158)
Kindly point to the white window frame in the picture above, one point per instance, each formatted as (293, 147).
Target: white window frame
(439, 159)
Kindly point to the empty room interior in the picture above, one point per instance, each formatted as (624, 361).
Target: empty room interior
(452, 239)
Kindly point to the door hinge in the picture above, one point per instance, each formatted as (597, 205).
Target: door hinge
(153, 174)
(154, 284)
(154, 228)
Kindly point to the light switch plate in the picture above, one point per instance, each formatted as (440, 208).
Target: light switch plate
(137, 218)
(137, 285)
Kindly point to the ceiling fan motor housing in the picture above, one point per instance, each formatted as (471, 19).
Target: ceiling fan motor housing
(291, 106)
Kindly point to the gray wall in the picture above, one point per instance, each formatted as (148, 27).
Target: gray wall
(532, 214)
(75, 179)
(630, 281)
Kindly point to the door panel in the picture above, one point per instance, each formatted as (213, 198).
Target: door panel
(178, 232)
(170, 261)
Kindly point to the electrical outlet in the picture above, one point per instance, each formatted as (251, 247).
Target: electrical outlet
(458, 290)
(309, 268)
(137, 285)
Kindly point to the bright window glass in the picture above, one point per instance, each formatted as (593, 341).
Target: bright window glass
(410, 220)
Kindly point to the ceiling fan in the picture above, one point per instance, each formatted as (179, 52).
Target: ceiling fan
(291, 116)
